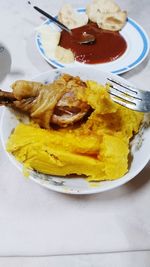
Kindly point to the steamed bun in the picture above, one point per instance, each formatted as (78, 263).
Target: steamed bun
(107, 14)
(71, 18)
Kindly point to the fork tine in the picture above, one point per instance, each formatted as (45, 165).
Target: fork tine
(129, 96)
(126, 86)
(124, 92)
(122, 96)
(125, 104)
(125, 100)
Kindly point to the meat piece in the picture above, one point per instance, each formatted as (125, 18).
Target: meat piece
(6, 98)
(65, 113)
(56, 103)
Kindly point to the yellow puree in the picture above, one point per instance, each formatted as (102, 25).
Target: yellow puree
(98, 149)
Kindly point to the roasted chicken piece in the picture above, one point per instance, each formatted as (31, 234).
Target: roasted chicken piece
(56, 103)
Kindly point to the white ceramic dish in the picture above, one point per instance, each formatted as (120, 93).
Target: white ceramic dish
(77, 185)
(137, 49)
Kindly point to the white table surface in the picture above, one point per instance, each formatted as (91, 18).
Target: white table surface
(18, 22)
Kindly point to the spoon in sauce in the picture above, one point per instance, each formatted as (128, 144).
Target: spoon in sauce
(86, 38)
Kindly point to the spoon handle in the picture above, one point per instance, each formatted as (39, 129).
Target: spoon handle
(58, 23)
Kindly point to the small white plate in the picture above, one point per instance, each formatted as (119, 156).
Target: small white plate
(79, 185)
(137, 49)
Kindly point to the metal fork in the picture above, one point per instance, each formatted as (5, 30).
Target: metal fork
(129, 96)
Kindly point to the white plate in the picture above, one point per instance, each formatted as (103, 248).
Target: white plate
(137, 49)
(77, 185)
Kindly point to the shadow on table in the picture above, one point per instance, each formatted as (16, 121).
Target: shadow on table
(124, 191)
(5, 62)
(140, 180)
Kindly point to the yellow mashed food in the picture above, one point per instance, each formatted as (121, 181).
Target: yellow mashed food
(98, 149)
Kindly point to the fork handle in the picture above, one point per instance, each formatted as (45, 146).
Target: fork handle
(59, 24)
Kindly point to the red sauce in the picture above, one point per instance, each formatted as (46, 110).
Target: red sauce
(107, 46)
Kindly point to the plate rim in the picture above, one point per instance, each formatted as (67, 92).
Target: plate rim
(132, 65)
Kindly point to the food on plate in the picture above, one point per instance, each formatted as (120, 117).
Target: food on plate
(71, 18)
(52, 103)
(50, 42)
(64, 55)
(50, 39)
(107, 14)
(96, 147)
(112, 22)
(108, 45)
(103, 19)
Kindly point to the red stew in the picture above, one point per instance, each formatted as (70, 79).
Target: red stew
(107, 46)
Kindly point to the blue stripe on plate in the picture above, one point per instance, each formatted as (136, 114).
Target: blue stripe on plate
(56, 63)
(81, 9)
(145, 43)
(40, 45)
(119, 71)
